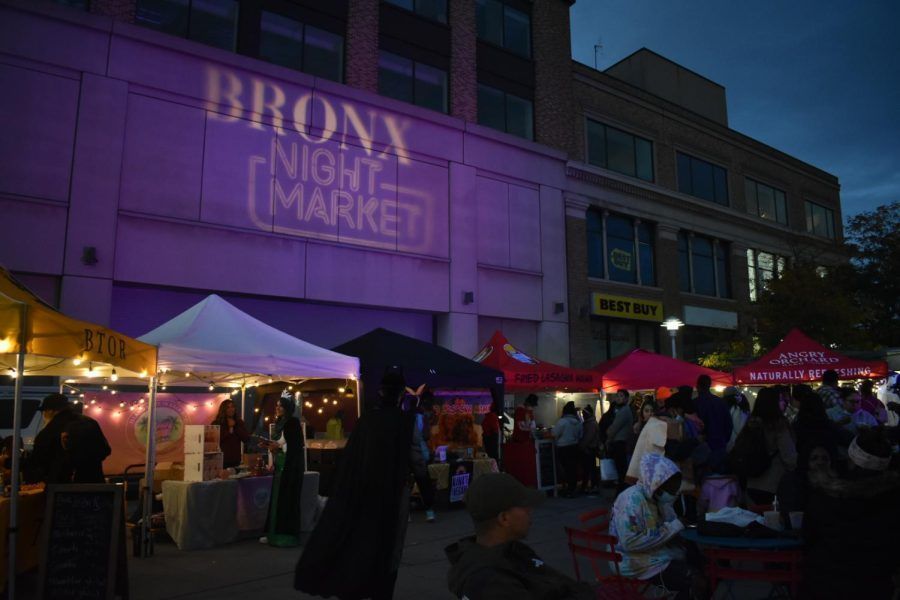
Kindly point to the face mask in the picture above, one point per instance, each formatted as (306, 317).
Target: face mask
(667, 498)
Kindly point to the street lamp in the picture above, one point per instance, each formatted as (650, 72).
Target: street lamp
(672, 325)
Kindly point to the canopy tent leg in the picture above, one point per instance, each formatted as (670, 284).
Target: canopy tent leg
(147, 491)
(14, 476)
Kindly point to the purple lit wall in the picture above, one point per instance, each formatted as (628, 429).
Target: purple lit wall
(320, 209)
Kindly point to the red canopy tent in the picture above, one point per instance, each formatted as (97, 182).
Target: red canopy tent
(798, 359)
(524, 373)
(641, 370)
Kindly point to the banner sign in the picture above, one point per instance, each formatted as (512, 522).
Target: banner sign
(622, 307)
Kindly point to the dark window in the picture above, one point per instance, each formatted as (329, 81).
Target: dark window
(82, 4)
(212, 22)
(411, 81)
(704, 265)
(765, 201)
(819, 220)
(436, 10)
(619, 151)
(290, 43)
(702, 179)
(626, 259)
(504, 26)
(506, 112)
(613, 337)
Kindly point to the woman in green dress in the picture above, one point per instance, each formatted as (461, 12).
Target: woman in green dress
(283, 524)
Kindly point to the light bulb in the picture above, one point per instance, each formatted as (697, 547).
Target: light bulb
(320, 411)
(105, 387)
(77, 360)
(114, 392)
(335, 402)
(121, 405)
(114, 376)
(270, 380)
(141, 401)
(256, 410)
(94, 401)
(13, 374)
(211, 387)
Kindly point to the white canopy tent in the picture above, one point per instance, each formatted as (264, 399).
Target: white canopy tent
(215, 343)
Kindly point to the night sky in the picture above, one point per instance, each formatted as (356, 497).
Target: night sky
(819, 80)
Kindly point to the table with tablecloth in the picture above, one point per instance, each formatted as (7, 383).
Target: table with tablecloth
(440, 472)
(31, 515)
(204, 514)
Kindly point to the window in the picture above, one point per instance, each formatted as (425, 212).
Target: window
(703, 265)
(702, 179)
(620, 248)
(613, 337)
(819, 220)
(410, 81)
(212, 22)
(292, 44)
(761, 267)
(506, 112)
(765, 201)
(436, 10)
(618, 151)
(504, 26)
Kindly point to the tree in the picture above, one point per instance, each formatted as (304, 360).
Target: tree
(820, 303)
(874, 241)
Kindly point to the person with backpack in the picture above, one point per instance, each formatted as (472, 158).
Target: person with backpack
(769, 452)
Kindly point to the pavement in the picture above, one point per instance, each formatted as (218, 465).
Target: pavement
(248, 569)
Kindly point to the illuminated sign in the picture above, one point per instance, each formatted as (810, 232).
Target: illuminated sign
(622, 307)
(620, 259)
(336, 177)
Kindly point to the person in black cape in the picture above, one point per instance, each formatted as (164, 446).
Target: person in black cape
(283, 524)
(354, 551)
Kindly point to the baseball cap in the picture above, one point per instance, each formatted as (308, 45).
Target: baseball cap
(54, 402)
(493, 493)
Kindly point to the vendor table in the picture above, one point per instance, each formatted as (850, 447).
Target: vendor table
(204, 514)
(743, 543)
(31, 514)
(440, 472)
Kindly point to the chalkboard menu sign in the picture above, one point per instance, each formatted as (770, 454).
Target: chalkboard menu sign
(546, 465)
(82, 553)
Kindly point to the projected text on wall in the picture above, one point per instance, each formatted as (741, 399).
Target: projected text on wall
(332, 170)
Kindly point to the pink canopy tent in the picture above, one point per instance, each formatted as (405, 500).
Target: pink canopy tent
(642, 370)
(799, 358)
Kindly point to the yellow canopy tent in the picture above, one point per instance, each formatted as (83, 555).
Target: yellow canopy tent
(36, 339)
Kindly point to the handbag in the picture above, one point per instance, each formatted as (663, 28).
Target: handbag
(608, 471)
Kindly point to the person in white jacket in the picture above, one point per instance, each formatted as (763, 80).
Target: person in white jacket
(567, 432)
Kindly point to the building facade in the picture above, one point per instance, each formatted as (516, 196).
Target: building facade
(670, 213)
(313, 162)
(440, 168)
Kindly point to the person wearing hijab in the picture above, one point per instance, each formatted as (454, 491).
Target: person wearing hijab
(644, 521)
(355, 550)
(283, 525)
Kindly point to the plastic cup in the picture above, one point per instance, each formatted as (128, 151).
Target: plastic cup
(796, 520)
(772, 519)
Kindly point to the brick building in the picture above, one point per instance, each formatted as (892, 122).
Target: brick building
(332, 166)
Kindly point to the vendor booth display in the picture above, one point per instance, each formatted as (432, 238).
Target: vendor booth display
(524, 373)
(37, 339)
(800, 359)
(645, 370)
(213, 343)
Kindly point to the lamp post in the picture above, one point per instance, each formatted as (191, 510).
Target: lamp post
(672, 325)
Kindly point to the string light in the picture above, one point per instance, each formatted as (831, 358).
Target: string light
(319, 411)
(114, 392)
(5, 345)
(13, 374)
(270, 380)
(256, 410)
(94, 401)
(121, 405)
(234, 392)
(143, 374)
(266, 419)
(91, 372)
(141, 401)
(335, 402)
(163, 387)
(105, 387)
(211, 387)
(114, 376)
(77, 360)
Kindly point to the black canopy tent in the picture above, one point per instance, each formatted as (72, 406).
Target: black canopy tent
(422, 362)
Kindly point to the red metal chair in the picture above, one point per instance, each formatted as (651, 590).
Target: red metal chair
(774, 566)
(601, 518)
(599, 550)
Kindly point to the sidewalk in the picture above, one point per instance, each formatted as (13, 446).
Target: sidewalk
(246, 569)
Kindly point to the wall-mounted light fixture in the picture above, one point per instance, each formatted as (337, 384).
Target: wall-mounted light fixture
(468, 297)
(89, 255)
(559, 308)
